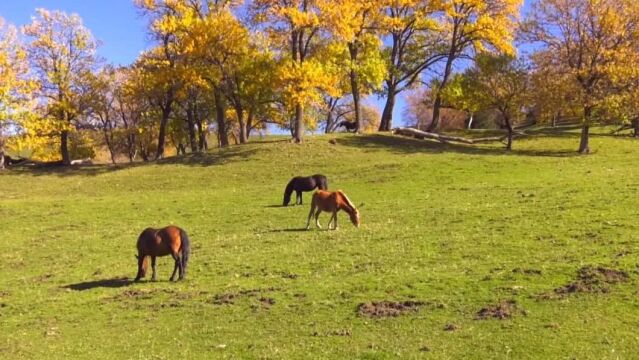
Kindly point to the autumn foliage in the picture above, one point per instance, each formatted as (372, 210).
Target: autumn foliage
(220, 71)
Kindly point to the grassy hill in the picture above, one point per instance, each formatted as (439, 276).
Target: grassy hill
(531, 254)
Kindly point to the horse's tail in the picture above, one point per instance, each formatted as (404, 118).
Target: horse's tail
(186, 248)
(288, 191)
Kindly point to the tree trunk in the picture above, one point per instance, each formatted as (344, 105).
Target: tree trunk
(438, 99)
(190, 122)
(329, 122)
(1, 158)
(64, 147)
(166, 112)
(202, 144)
(111, 152)
(107, 130)
(583, 144)
(242, 123)
(470, 121)
(131, 147)
(635, 126)
(249, 124)
(220, 117)
(130, 136)
(434, 123)
(355, 87)
(509, 127)
(298, 131)
(387, 116)
(144, 153)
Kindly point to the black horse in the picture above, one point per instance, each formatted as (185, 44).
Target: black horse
(349, 126)
(300, 184)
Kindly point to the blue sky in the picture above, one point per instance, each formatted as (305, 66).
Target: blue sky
(118, 25)
(114, 22)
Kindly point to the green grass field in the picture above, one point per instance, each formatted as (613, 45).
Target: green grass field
(455, 228)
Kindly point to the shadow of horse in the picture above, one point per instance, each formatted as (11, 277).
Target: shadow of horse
(286, 230)
(107, 283)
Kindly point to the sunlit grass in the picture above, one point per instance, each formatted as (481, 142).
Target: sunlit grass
(456, 227)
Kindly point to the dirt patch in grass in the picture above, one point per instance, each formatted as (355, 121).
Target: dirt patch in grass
(224, 299)
(340, 332)
(451, 327)
(383, 309)
(287, 275)
(502, 310)
(526, 271)
(267, 301)
(135, 294)
(589, 279)
(231, 297)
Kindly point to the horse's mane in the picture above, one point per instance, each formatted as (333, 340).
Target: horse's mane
(348, 201)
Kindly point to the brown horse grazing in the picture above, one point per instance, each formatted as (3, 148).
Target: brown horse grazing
(331, 201)
(170, 240)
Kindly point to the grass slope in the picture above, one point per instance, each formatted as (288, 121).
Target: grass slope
(457, 228)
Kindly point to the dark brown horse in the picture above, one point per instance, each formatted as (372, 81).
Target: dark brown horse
(348, 125)
(300, 184)
(170, 240)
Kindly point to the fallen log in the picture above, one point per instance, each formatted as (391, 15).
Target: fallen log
(448, 138)
(622, 128)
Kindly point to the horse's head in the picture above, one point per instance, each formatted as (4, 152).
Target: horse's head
(143, 264)
(354, 215)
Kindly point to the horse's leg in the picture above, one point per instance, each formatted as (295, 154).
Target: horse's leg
(140, 264)
(298, 201)
(182, 270)
(175, 268)
(310, 214)
(153, 267)
(317, 214)
(335, 220)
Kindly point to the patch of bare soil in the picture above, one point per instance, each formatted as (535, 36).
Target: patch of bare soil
(224, 299)
(526, 271)
(451, 327)
(589, 279)
(502, 310)
(230, 298)
(267, 302)
(136, 294)
(287, 275)
(383, 309)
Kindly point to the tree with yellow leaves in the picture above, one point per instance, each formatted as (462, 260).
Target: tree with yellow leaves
(594, 43)
(416, 43)
(471, 27)
(355, 25)
(294, 29)
(62, 54)
(15, 86)
(497, 82)
(163, 65)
